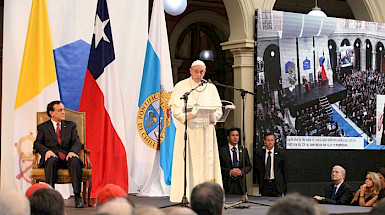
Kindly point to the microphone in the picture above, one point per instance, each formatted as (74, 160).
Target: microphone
(205, 81)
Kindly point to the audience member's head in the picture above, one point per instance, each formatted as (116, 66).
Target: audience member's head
(319, 210)
(116, 206)
(207, 198)
(46, 201)
(149, 210)
(381, 174)
(373, 181)
(181, 211)
(108, 192)
(35, 187)
(379, 208)
(293, 204)
(338, 174)
(13, 202)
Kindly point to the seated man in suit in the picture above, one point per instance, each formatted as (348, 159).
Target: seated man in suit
(271, 168)
(231, 160)
(58, 143)
(338, 192)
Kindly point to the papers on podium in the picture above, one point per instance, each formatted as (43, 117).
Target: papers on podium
(205, 116)
(227, 106)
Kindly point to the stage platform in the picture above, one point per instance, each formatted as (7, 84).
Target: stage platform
(257, 206)
(300, 98)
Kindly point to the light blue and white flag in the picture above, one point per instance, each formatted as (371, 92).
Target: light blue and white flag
(154, 144)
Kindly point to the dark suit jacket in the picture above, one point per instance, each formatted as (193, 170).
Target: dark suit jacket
(344, 194)
(280, 172)
(46, 139)
(227, 165)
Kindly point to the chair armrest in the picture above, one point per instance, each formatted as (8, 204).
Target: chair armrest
(87, 154)
(87, 151)
(36, 160)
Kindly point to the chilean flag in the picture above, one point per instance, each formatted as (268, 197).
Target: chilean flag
(324, 77)
(101, 100)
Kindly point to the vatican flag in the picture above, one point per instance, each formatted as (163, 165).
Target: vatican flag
(37, 87)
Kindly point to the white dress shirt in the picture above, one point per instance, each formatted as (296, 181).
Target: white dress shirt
(272, 162)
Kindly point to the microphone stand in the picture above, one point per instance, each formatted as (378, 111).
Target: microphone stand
(184, 202)
(244, 198)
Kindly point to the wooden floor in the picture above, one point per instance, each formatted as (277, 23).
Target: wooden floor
(160, 202)
(256, 206)
(138, 201)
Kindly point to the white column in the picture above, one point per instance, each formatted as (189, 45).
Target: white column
(243, 54)
(374, 59)
(363, 57)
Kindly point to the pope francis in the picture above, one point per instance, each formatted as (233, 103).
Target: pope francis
(202, 150)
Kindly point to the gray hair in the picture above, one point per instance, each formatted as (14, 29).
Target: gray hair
(343, 171)
(13, 202)
(116, 206)
(181, 211)
(293, 204)
(149, 210)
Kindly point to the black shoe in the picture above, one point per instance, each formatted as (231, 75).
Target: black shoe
(78, 202)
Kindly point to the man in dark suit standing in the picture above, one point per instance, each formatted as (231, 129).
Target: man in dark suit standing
(231, 160)
(271, 168)
(338, 192)
(58, 143)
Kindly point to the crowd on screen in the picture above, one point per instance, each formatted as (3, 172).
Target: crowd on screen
(360, 103)
(314, 121)
(273, 115)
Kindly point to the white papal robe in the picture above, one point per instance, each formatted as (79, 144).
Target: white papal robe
(202, 149)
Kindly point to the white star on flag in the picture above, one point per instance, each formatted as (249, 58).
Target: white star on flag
(99, 30)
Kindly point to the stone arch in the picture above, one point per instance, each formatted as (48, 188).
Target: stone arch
(345, 42)
(195, 17)
(202, 16)
(369, 10)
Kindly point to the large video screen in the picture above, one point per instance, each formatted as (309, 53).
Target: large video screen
(319, 81)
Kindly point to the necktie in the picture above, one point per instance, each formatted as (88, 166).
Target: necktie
(235, 157)
(268, 166)
(333, 197)
(62, 156)
(58, 132)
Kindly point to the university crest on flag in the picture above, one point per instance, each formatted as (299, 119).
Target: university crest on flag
(154, 140)
(153, 119)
